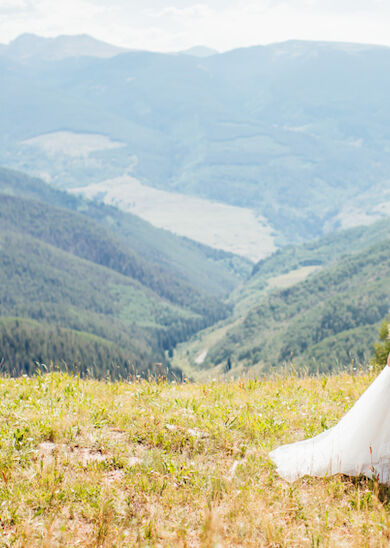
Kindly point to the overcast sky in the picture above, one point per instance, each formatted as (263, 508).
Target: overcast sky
(169, 25)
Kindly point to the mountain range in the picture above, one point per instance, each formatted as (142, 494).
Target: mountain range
(297, 132)
(27, 47)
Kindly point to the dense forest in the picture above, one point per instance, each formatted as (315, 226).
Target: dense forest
(304, 304)
(315, 254)
(324, 322)
(85, 285)
(28, 346)
(78, 235)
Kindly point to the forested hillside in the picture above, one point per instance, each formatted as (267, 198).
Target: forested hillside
(329, 319)
(28, 346)
(293, 262)
(78, 235)
(44, 283)
(318, 305)
(81, 270)
(73, 290)
(213, 271)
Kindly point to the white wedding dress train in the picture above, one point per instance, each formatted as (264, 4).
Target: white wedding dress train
(358, 444)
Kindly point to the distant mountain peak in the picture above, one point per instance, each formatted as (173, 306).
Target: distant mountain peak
(200, 51)
(28, 46)
(297, 47)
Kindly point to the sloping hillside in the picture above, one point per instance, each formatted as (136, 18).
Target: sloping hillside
(212, 271)
(60, 290)
(318, 304)
(91, 277)
(293, 263)
(84, 238)
(330, 318)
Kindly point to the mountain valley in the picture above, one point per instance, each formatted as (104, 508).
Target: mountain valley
(216, 217)
(64, 267)
(318, 305)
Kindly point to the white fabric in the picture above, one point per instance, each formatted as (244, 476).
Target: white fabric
(358, 444)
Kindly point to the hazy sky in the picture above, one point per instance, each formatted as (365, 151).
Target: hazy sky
(168, 25)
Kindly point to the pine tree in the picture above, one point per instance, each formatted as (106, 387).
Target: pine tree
(382, 349)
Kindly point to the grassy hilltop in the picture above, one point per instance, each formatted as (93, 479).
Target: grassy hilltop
(92, 463)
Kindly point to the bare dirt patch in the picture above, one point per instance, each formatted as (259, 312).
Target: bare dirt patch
(71, 144)
(293, 277)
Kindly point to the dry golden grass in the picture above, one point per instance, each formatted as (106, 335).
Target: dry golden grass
(88, 463)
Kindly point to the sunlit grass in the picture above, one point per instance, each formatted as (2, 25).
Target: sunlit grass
(88, 463)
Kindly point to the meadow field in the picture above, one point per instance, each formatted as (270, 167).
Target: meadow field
(95, 463)
(238, 230)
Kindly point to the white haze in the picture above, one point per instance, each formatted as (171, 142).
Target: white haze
(179, 24)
